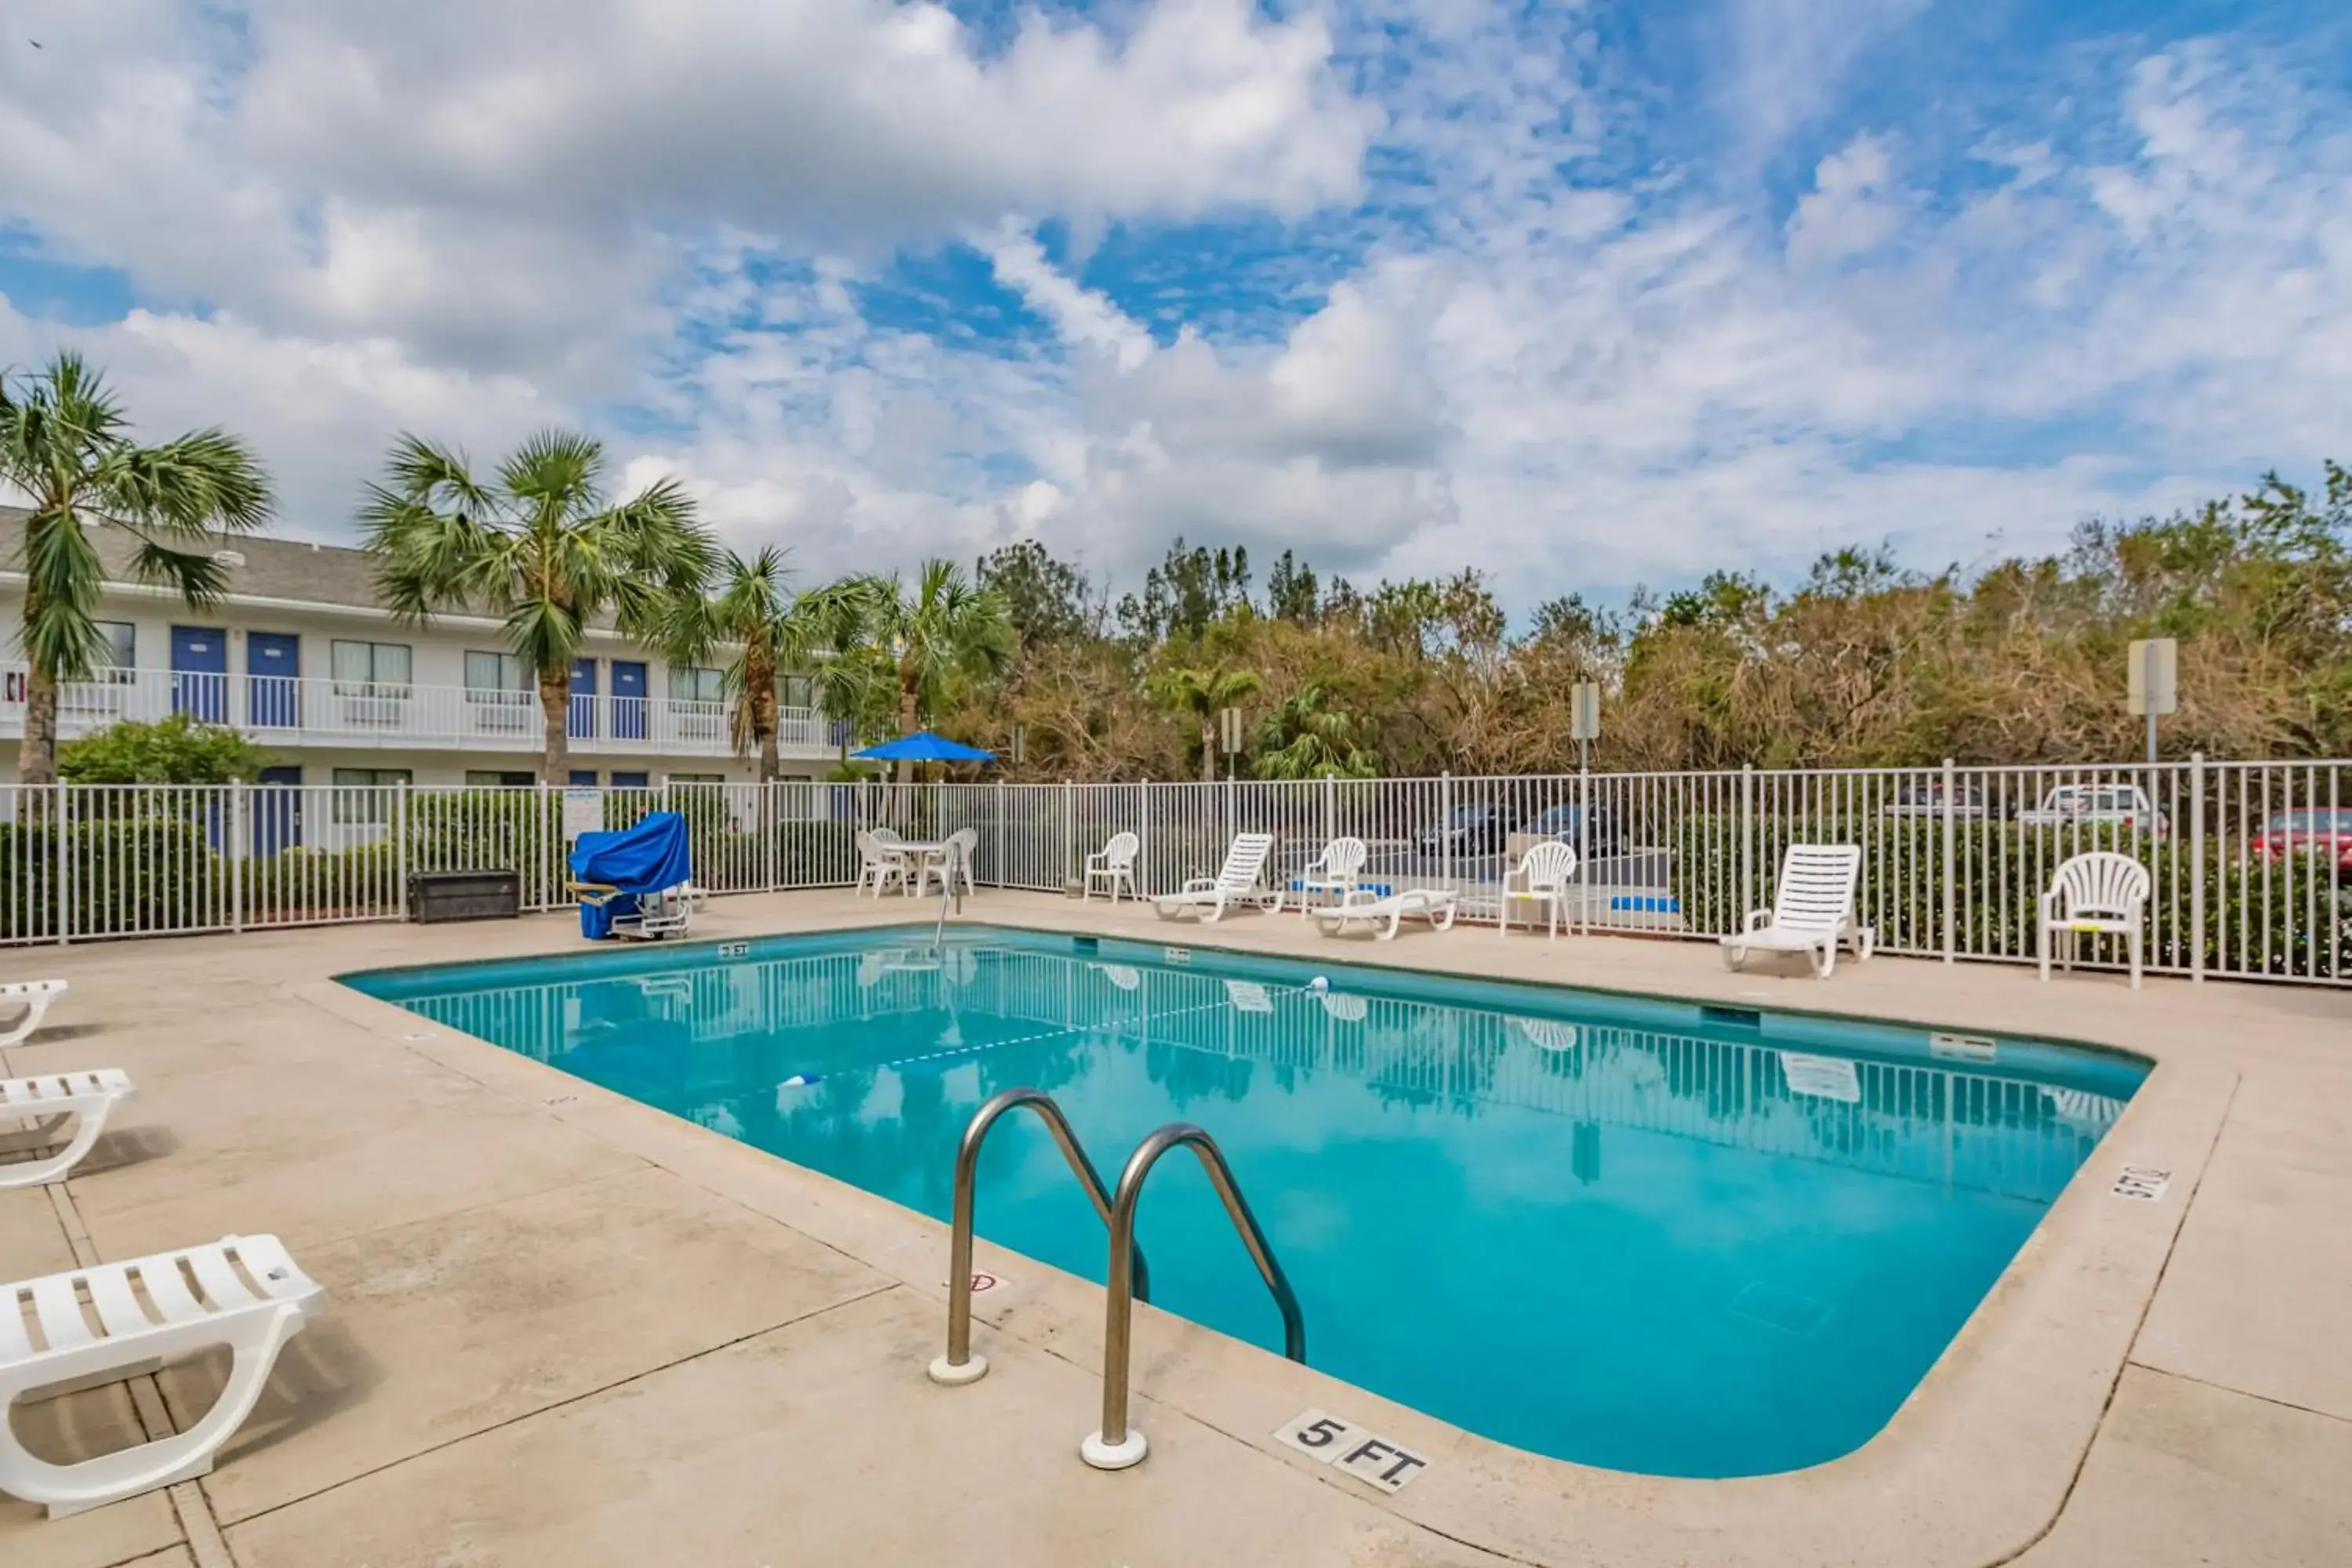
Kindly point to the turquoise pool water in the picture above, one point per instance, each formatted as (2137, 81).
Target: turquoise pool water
(1648, 1236)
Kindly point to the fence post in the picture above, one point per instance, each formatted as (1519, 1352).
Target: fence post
(1747, 900)
(1446, 837)
(1584, 851)
(1143, 829)
(1329, 818)
(65, 867)
(400, 828)
(1952, 869)
(999, 857)
(2197, 868)
(1069, 833)
(237, 843)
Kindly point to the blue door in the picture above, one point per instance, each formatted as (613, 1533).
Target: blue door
(581, 721)
(200, 673)
(628, 700)
(273, 663)
(277, 810)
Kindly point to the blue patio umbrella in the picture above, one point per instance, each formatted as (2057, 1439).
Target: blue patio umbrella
(922, 746)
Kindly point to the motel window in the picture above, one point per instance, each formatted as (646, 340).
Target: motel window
(363, 795)
(496, 677)
(693, 683)
(118, 659)
(369, 669)
(493, 778)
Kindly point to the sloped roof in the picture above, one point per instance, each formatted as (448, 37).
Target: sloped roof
(271, 568)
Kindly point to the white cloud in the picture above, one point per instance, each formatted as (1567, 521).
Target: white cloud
(1852, 208)
(1540, 348)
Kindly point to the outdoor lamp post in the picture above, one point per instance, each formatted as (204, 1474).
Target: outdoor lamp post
(1229, 722)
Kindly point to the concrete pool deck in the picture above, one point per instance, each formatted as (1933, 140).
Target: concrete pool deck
(564, 1328)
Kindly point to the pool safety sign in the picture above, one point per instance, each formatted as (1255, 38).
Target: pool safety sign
(1344, 1446)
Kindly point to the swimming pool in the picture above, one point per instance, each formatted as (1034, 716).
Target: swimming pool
(1644, 1234)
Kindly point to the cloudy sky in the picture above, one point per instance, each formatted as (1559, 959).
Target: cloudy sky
(1583, 295)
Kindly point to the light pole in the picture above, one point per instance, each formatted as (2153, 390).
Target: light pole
(2154, 683)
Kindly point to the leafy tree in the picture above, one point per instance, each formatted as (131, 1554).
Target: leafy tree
(173, 751)
(64, 445)
(1201, 695)
(1291, 592)
(766, 632)
(936, 630)
(1185, 594)
(1309, 736)
(1050, 601)
(539, 545)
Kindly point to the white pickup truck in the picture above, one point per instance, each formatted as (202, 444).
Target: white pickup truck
(2096, 805)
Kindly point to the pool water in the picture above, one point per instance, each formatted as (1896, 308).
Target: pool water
(1649, 1236)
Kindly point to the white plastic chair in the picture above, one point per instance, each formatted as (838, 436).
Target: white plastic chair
(1235, 881)
(1543, 874)
(42, 1105)
(243, 1292)
(1113, 863)
(964, 841)
(878, 863)
(1812, 912)
(36, 997)
(1335, 870)
(2099, 892)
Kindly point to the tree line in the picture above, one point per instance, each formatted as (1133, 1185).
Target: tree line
(1862, 662)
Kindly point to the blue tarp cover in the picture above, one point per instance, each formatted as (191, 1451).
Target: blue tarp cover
(642, 860)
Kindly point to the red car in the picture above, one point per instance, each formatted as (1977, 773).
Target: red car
(2316, 833)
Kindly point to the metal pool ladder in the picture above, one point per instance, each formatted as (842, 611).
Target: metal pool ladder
(1116, 1445)
(960, 1365)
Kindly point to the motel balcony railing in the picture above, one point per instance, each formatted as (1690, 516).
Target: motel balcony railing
(288, 710)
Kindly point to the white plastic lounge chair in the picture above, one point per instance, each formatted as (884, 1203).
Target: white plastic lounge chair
(35, 996)
(1362, 907)
(1542, 874)
(1335, 870)
(965, 841)
(243, 1292)
(1248, 996)
(42, 1105)
(2098, 892)
(1126, 976)
(1114, 864)
(878, 863)
(1236, 882)
(1812, 912)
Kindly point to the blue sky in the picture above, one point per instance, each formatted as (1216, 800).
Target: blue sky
(1581, 296)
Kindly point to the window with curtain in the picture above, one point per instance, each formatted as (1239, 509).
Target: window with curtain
(370, 669)
(692, 683)
(497, 678)
(363, 796)
(118, 661)
(799, 691)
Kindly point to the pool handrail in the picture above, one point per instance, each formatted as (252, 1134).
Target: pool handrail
(1116, 1445)
(960, 1365)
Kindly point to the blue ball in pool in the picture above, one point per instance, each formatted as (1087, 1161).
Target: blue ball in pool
(1319, 984)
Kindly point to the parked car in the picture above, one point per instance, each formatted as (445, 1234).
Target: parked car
(1471, 829)
(1602, 834)
(2096, 805)
(2317, 833)
(1926, 799)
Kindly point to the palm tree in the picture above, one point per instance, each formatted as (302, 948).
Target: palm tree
(63, 443)
(541, 545)
(945, 628)
(770, 632)
(1309, 738)
(1204, 693)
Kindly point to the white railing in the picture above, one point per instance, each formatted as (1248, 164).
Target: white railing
(300, 710)
(2251, 863)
